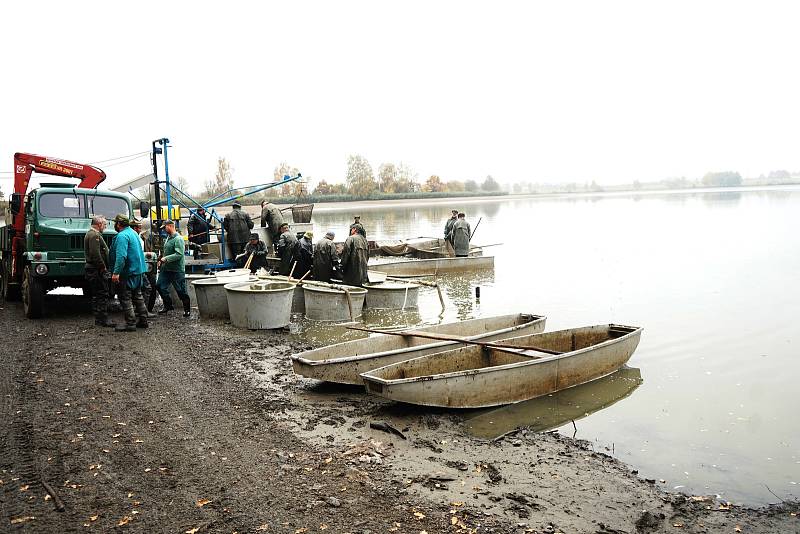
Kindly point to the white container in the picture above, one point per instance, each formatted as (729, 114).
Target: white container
(260, 305)
(328, 304)
(392, 295)
(233, 275)
(298, 300)
(212, 302)
(189, 289)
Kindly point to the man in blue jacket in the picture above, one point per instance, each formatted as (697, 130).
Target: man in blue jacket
(128, 268)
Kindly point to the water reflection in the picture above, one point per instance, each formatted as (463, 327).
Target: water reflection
(555, 410)
(721, 199)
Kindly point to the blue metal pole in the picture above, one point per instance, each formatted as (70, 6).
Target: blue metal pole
(165, 143)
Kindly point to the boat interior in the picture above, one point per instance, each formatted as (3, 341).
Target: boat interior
(383, 343)
(473, 357)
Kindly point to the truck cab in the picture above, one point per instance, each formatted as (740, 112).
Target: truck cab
(56, 218)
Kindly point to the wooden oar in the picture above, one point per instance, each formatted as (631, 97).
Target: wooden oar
(249, 260)
(447, 337)
(422, 283)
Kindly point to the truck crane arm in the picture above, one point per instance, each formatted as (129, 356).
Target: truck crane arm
(24, 166)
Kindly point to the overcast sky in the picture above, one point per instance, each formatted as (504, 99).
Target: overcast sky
(543, 92)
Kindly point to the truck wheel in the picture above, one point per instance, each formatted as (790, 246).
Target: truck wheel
(32, 295)
(10, 292)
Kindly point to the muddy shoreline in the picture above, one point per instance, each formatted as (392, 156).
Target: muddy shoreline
(195, 426)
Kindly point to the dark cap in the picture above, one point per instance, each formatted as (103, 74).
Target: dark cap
(253, 236)
(237, 204)
(168, 221)
(122, 219)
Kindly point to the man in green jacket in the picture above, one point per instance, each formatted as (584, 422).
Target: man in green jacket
(96, 270)
(172, 270)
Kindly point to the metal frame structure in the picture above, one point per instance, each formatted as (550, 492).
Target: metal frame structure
(183, 200)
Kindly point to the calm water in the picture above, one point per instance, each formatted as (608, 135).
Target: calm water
(710, 401)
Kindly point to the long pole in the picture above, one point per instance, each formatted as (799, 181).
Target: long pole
(475, 229)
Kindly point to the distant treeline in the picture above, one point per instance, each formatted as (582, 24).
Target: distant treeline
(399, 181)
(346, 197)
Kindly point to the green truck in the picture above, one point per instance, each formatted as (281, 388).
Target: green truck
(42, 242)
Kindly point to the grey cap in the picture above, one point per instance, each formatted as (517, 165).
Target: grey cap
(168, 221)
(330, 233)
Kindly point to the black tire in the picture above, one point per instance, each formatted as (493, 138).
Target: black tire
(9, 292)
(32, 295)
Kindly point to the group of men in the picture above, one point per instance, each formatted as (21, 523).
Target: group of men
(121, 269)
(457, 233)
(298, 255)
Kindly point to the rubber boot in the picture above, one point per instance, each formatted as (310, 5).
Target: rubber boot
(165, 310)
(187, 307)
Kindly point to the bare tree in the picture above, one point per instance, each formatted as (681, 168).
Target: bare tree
(222, 181)
(360, 180)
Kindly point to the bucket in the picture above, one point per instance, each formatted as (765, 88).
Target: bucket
(212, 302)
(392, 295)
(233, 275)
(260, 305)
(327, 304)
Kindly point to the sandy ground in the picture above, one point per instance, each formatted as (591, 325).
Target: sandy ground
(194, 426)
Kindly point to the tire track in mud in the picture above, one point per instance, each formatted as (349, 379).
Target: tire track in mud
(22, 486)
(25, 503)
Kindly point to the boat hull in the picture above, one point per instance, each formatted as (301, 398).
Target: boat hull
(344, 362)
(478, 377)
(433, 266)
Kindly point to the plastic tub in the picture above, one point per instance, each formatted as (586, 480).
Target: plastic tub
(233, 275)
(260, 305)
(212, 302)
(328, 304)
(392, 295)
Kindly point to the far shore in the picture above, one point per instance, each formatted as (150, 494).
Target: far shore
(457, 202)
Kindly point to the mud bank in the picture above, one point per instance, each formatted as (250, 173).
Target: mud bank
(195, 426)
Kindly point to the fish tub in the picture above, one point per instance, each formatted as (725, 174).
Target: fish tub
(233, 275)
(212, 302)
(329, 304)
(392, 295)
(298, 298)
(189, 288)
(261, 305)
